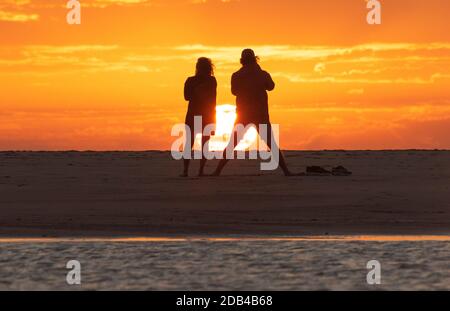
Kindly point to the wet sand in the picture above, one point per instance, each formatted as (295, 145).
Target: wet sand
(120, 194)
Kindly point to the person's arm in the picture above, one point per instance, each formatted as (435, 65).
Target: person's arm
(214, 95)
(270, 85)
(234, 90)
(188, 89)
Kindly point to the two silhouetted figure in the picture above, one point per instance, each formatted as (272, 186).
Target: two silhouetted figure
(250, 86)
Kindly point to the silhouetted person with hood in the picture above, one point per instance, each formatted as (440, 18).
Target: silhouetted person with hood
(250, 85)
(201, 92)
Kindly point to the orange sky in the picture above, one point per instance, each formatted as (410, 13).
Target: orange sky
(115, 81)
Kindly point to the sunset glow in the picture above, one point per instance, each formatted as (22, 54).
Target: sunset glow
(115, 82)
(225, 120)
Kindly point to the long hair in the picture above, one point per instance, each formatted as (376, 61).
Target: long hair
(204, 67)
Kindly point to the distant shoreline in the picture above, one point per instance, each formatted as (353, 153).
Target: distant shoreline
(168, 151)
(340, 238)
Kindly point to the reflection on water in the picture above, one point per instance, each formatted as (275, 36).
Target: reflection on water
(205, 264)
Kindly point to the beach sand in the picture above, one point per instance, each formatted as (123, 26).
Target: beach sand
(114, 194)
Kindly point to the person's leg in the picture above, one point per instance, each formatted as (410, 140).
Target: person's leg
(272, 144)
(187, 162)
(205, 140)
(232, 144)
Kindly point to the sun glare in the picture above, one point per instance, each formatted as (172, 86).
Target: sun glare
(225, 119)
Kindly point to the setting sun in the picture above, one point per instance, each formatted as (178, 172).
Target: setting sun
(225, 119)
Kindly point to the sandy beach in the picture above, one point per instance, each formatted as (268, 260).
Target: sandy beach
(114, 194)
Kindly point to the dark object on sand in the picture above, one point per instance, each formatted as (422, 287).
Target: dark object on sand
(320, 171)
(317, 171)
(341, 171)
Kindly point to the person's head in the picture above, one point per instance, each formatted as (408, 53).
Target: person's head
(248, 57)
(204, 67)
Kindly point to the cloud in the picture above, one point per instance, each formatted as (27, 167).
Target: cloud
(16, 3)
(420, 125)
(289, 52)
(94, 130)
(67, 49)
(96, 4)
(6, 16)
(319, 67)
(371, 96)
(108, 3)
(356, 91)
(395, 63)
(44, 60)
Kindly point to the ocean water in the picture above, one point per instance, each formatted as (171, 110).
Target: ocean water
(225, 265)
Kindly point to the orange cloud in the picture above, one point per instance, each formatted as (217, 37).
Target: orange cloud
(6, 16)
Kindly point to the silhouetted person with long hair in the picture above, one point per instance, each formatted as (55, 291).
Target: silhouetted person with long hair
(250, 85)
(201, 92)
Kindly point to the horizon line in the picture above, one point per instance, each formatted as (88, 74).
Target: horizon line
(165, 150)
(320, 238)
